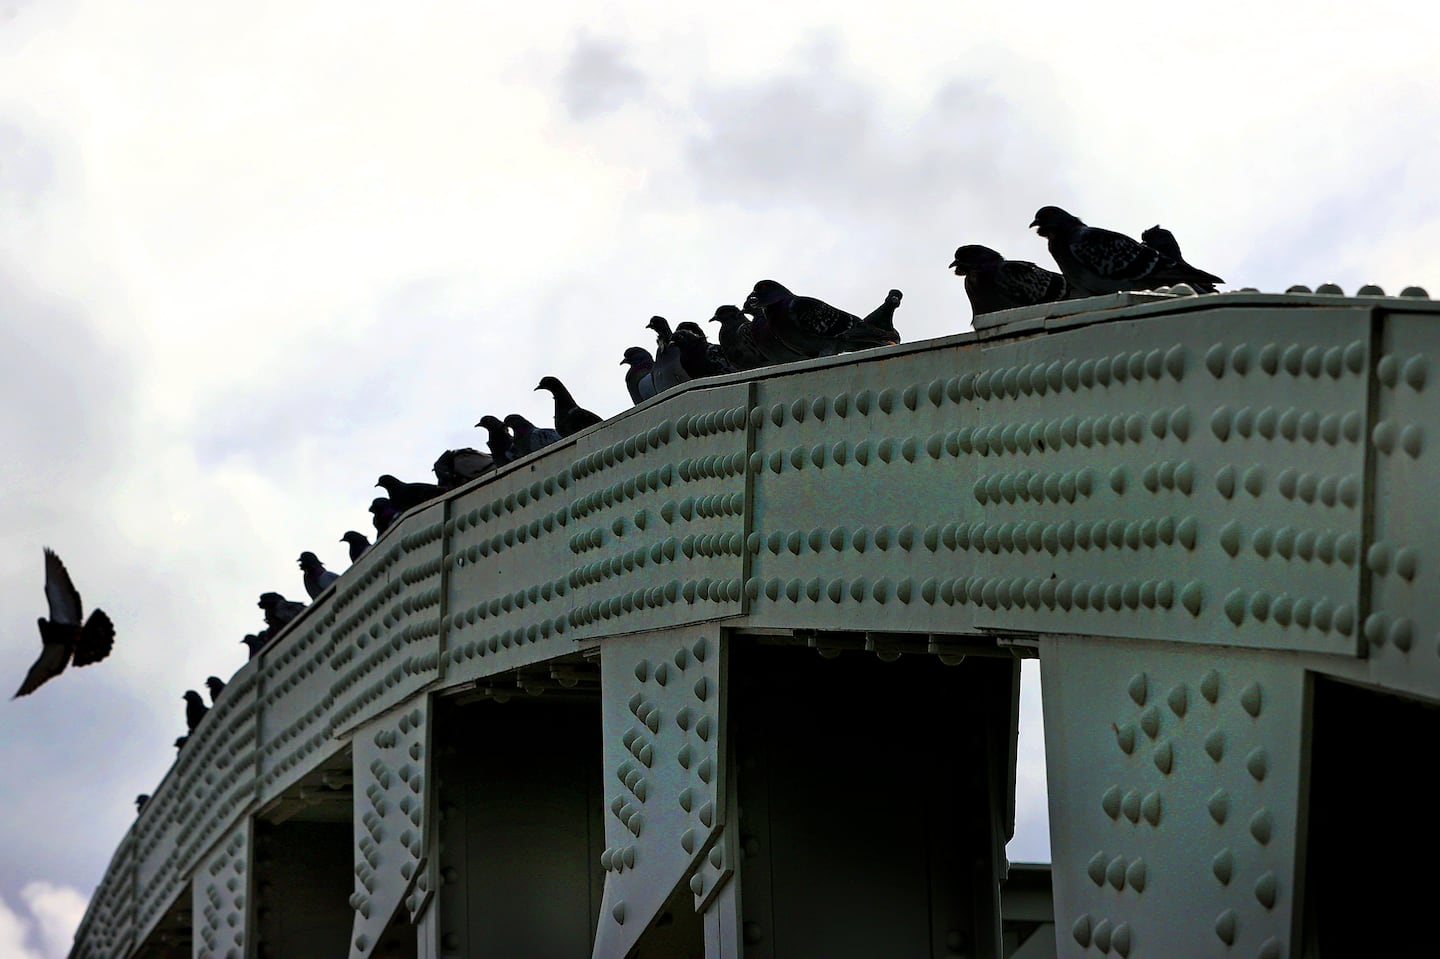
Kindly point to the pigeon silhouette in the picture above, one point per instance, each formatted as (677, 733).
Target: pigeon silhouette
(737, 339)
(807, 326)
(994, 283)
(528, 436)
(406, 496)
(383, 514)
(455, 468)
(501, 443)
(180, 742)
(1163, 241)
(278, 610)
(698, 355)
(140, 802)
(358, 542)
(879, 323)
(254, 643)
(195, 710)
(570, 417)
(317, 577)
(216, 685)
(63, 640)
(638, 378)
(1096, 261)
(669, 368)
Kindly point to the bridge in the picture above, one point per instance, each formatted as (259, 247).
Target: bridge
(735, 673)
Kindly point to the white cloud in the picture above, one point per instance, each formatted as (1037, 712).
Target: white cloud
(44, 927)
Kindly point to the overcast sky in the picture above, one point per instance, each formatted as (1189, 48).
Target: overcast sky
(254, 254)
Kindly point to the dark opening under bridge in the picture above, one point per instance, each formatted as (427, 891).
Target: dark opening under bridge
(576, 708)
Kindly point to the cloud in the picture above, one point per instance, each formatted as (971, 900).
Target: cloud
(44, 927)
(598, 79)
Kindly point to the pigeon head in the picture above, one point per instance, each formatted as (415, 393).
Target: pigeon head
(309, 562)
(766, 292)
(390, 483)
(894, 297)
(491, 423)
(727, 315)
(270, 600)
(141, 800)
(550, 383)
(214, 684)
(971, 258)
(659, 324)
(252, 641)
(639, 357)
(1052, 221)
(180, 741)
(518, 424)
(193, 697)
(692, 328)
(353, 538)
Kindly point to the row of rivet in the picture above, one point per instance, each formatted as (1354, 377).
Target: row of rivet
(516, 637)
(1388, 435)
(539, 592)
(707, 545)
(711, 506)
(1105, 935)
(422, 537)
(1284, 609)
(617, 452)
(513, 536)
(1169, 475)
(992, 592)
(1008, 536)
(711, 422)
(1380, 629)
(662, 477)
(1117, 871)
(1308, 487)
(1287, 542)
(1293, 359)
(1036, 485)
(354, 590)
(1381, 558)
(655, 597)
(1289, 423)
(372, 604)
(1391, 370)
(715, 466)
(416, 667)
(1058, 376)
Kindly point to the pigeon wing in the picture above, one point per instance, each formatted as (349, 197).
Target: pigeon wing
(1023, 282)
(61, 594)
(819, 318)
(50, 664)
(96, 639)
(1113, 255)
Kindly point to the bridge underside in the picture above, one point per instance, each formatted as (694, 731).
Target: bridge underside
(789, 612)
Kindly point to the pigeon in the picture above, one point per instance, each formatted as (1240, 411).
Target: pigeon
(528, 436)
(383, 514)
(216, 685)
(195, 710)
(638, 379)
(180, 742)
(140, 802)
(698, 355)
(807, 326)
(63, 640)
(254, 643)
(406, 496)
(994, 283)
(669, 363)
(1097, 261)
(737, 339)
(880, 322)
(358, 543)
(455, 468)
(278, 610)
(317, 577)
(570, 418)
(501, 443)
(1163, 241)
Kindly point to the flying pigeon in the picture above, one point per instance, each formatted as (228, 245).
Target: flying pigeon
(359, 543)
(254, 643)
(195, 710)
(995, 283)
(1162, 240)
(63, 640)
(880, 322)
(669, 361)
(501, 443)
(1097, 261)
(383, 514)
(807, 326)
(737, 339)
(180, 742)
(278, 610)
(140, 802)
(406, 496)
(638, 379)
(528, 436)
(317, 577)
(570, 417)
(216, 685)
(698, 355)
(455, 468)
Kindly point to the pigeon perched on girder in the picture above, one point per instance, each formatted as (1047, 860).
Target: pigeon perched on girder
(63, 640)
(455, 468)
(140, 802)
(383, 513)
(195, 710)
(698, 355)
(1162, 240)
(1096, 261)
(278, 610)
(358, 543)
(737, 339)
(669, 361)
(501, 443)
(570, 417)
(638, 378)
(994, 283)
(180, 742)
(406, 496)
(254, 643)
(317, 577)
(807, 326)
(880, 322)
(528, 436)
(216, 685)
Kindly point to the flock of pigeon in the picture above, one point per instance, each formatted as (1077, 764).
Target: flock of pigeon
(774, 326)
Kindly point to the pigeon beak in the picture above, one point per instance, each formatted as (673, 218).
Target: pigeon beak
(954, 264)
(1034, 224)
(536, 388)
(623, 362)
